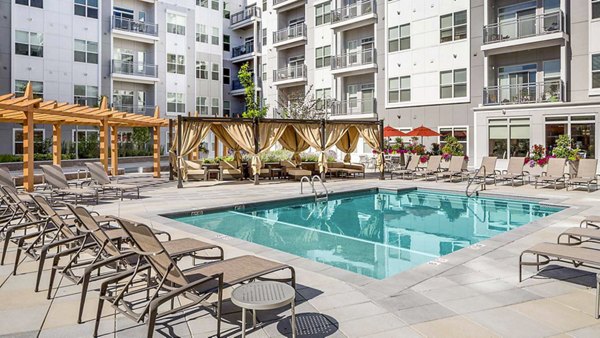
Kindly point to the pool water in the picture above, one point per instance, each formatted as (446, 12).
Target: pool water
(374, 233)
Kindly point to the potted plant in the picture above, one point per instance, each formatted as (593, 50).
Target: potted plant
(564, 149)
(452, 148)
(537, 159)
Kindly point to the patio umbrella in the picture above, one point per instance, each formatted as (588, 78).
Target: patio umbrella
(423, 132)
(390, 131)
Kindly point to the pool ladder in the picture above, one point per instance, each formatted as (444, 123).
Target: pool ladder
(319, 196)
(478, 187)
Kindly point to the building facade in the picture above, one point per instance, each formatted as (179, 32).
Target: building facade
(500, 75)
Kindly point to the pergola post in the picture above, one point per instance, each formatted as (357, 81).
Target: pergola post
(169, 145)
(156, 145)
(28, 131)
(382, 174)
(195, 153)
(323, 141)
(178, 164)
(104, 136)
(56, 144)
(256, 140)
(114, 151)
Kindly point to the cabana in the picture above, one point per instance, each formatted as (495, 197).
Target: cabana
(28, 111)
(256, 136)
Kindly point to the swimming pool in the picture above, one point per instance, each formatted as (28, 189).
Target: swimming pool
(375, 233)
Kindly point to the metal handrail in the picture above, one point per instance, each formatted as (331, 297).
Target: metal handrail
(246, 14)
(307, 179)
(134, 26)
(353, 59)
(290, 32)
(290, 73)
(318, 178)
(532, 92)
(523, 27)
(472, 179)
(352, 11)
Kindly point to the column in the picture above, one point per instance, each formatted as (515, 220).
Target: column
(104, 134)
(156, 151)
(28, 151)
(114, 151)
(56, 144)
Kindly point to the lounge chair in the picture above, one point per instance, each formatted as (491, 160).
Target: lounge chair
(513, 172)
(433, 167)
(8, 181)
(103, 182)
(55, 177)
(197, 283)
(195, 169)
(553, 252)
(554, 174)
(107, 255)
(291, 170)
(228, 169)
(455, 169)
(487, 169)
(411, 168)
(586, 174)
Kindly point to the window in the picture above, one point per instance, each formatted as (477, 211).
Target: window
(226, 13)
(323, 13)
(86, 135)
(202, 3)
(323, 57)
(459, 132)
(38, 141)
(124, 136)
(226, 76)
(215, 106)
(399, 89)
(28, 43)
(453, 26)
(85, 95)
(175, 103)
(175, 24)
(264, 5)
(453, 83)
(37, 88)
(32, 3)
(215, 71)
(226, 108)
(264, 72)
(175, 64)
(322, 97)
(508, 137)
(399, 38)
(201, 70)
(85, 51)
(596, 71)
(215, 36)
(580, 128)
(87, 8)
(214, 4)
(595, 9)
(226, 43)
(202, 105)
(264, 36)
(201, 35)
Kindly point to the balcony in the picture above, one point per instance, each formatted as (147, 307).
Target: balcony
(354, 108)
(355, 63)
(524, 34)
(526, 93)
(135, 109)
(285, 5)
(353, 16)
(291, 36)
(243, 53)
(134, 72)
(245, 18)
(134, 30)
(290, 76)
(237, 88)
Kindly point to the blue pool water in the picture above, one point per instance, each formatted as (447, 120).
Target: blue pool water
(374, 233)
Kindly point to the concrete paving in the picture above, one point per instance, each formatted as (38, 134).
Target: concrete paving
(473, 292)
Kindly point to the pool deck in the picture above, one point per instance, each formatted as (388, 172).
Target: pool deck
(473, 292)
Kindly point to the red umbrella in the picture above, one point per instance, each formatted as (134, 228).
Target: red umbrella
(423, 132)
(389, 131)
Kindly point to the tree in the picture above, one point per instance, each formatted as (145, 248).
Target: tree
(253, 106)
(140, 137)
(303, 107)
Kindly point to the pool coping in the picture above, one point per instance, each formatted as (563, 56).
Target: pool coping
(393, 284)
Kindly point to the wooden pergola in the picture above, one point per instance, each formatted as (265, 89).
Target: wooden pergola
(28, 111)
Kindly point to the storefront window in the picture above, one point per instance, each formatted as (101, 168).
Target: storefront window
(581, 128)
(508, 137)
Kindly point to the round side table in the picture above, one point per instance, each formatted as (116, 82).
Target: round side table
(265, 295)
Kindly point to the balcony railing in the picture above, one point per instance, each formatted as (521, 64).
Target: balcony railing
(354, 107)
(523, 28)
(236, 85)
(353, 11)
(535, 92)
(136, 109)
(290, 73)
(247, 48)
(134, 26)
(247, 14)
(354, 59)
(277, 2)
(134, 68)
(290, 32)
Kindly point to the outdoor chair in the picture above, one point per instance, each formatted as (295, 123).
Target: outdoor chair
(229, 169)
(586, 174)
(553, 252)
(196, 283)
(555, 172)
(102, 180)
(433, 167)
(195, 169)
(455, 169)
(7, 180)
(513, 172)
(60, 187)
(292, 171)
(487, 170)
(105, 254)
(411, 168)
